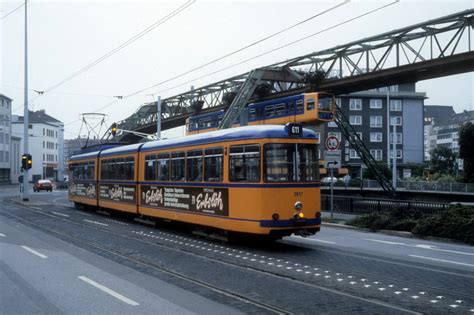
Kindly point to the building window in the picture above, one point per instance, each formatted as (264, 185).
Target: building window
(377, 154)
(332, 124)
(397, 121)
(43, 132)
(375, 137)
(360, 135)
(396, 105)
(376, 121)
(398, 138)
(399, 154)
(355, 104)
(355, 120)
(377, 104)
(1, 137)
(353, 154)
(338, 102)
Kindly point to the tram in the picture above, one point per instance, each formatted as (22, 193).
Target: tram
(253, 180)
(302, 108)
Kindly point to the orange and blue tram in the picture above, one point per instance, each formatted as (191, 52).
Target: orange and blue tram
(314, 108)
(257, 180)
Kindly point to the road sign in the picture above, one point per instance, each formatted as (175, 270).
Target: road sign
(332, 143)
(332, 159)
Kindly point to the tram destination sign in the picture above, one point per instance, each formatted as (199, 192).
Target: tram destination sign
(206, 200)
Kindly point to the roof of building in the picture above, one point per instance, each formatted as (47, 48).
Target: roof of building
(439, 113)
(39, 116)
(465, 116)
(3, 96)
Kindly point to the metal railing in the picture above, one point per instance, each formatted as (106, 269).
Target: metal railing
(450, 187)
(358, 205)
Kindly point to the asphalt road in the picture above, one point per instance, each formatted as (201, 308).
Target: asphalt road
(102, 264)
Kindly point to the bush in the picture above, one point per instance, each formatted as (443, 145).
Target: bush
(456, 223)
(372, 221)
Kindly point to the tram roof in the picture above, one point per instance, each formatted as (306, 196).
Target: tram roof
(231, 134)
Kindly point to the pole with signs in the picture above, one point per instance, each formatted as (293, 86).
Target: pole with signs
(332, 165)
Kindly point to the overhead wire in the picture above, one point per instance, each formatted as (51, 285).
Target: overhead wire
(121, 46)
(280, 47)
(12, 11)
(252, 58)
(224, 56)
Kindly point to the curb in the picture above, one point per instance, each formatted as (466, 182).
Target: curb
(396, 233)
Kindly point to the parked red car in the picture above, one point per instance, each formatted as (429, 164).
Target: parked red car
(43, 184)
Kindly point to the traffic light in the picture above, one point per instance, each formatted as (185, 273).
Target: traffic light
(29, 161)
(114, 129)
(26, 161)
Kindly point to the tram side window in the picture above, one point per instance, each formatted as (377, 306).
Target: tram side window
(308, 163)
(119, 169)
(111, 169)
(177, 166)
(310, 104)
(280, 109)
(299, 106)
(150, 170)
(128, 168)
(104, 169)
(269, 111)
(89, 173)
(290, 162)
(244, 163)
(163, 167)
(194, 166)
(213, 165)
(280, 163)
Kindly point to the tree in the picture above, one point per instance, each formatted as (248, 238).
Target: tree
(442, 160)
(466, 150)
(383, 168)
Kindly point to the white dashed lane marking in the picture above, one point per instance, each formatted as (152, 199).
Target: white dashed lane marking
(60, 214)
(442, 260)
(422, 246)
(95, 222)
(34, 252)
(108, 291)
(2, 235)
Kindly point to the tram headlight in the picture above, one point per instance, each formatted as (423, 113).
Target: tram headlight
(298, 206)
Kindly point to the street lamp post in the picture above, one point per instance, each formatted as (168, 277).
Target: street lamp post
(25, 113)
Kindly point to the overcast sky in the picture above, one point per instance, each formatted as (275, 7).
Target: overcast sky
(65, 36)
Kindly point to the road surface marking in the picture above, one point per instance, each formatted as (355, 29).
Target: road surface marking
(61, 214)
(34, 252)
(384, 242)
(314, 240)
(422, 246)
(108, 291)
(2, 235)
(95, 222)
(442, 260)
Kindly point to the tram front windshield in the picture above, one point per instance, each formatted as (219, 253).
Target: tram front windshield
(290, 162)
(325, 103)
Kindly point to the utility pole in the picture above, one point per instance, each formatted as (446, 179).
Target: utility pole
(388, 127)
(158, 118)
(394, 163)
(25, 113)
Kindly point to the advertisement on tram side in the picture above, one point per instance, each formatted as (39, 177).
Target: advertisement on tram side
(205, 200)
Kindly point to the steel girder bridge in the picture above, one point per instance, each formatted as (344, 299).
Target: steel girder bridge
(427, 50)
